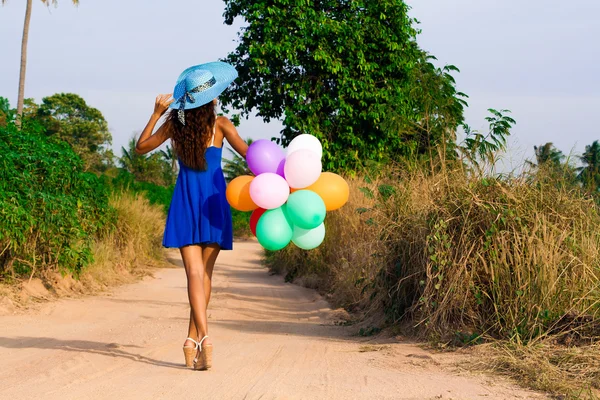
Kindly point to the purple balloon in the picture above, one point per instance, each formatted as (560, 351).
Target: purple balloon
(281, 169)
(264, 156)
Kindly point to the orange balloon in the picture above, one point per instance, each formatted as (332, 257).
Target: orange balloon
(332, 188)
(238, 193)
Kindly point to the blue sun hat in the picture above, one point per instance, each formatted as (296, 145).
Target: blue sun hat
(201, 84)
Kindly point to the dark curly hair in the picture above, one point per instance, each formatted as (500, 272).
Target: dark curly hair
(191, 140)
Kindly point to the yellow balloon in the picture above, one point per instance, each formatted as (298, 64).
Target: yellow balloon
(238, 193)
(332, 188)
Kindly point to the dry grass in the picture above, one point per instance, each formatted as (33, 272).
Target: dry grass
(459, 259)
(571, 372)
(133, 249)
(369, 348)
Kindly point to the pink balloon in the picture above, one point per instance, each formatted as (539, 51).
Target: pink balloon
(269, 191)
(302, 168)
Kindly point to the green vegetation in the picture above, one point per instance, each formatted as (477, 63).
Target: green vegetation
(241, 224)
(589, 174)
(156, 194)
(51, 210)
(53, 213)
(236, 166)
(158, 168)
(61, 197)
(67, 116)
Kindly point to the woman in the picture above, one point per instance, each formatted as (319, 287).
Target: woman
(199, 219)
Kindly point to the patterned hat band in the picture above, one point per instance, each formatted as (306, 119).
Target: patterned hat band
(187, 96)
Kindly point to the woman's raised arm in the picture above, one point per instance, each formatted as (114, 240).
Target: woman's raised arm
(147, 141)
(232, 136)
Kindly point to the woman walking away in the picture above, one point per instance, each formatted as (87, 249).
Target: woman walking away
(199, 219)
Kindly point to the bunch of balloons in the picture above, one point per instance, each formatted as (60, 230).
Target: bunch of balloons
(289, 194)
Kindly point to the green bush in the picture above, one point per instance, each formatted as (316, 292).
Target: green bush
(50, 209)
(241, 223)
(156, 194)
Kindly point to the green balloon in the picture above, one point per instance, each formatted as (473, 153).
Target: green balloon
(309, 239)
(274, 230)
(306, 209)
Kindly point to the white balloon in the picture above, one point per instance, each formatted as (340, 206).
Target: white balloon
(308, 239)
(302, 168)
(305, 142)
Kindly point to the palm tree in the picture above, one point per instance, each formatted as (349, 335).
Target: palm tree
(170, 157)
(236, 166)
(589, 174)
(152, 168)
(133, 162)
(547, 154)
(21, 97)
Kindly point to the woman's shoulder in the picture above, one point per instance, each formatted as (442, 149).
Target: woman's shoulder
(223, 121)
(224, 124)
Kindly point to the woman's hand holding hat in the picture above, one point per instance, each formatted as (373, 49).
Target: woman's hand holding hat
(163, 101)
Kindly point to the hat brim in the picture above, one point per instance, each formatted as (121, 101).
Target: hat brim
(224, 75)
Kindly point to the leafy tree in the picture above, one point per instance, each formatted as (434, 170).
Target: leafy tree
(480, 148)
(344, 71)
(30, 109)
(25, 39)
(6, 114)
(589, 174)
(236, 166)
(67, 116)
(436, 111)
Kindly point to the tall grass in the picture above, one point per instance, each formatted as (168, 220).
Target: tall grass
(458, 258)
(134, 245)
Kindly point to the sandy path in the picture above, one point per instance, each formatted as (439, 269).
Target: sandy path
(272, 341)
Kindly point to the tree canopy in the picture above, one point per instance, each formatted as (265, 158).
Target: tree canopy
(68, 116)
(589, 173)
(349, 72)
(547, 154)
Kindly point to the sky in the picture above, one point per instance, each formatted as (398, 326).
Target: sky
(537, 58)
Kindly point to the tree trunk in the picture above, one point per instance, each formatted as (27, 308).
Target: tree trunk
(21, 98)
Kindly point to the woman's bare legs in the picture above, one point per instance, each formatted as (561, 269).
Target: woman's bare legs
(209, 257)
(196, 272)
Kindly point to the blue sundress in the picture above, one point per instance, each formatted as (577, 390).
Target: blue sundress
(199, 212)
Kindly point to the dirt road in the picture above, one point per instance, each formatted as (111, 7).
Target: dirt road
(272, 341)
